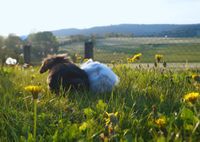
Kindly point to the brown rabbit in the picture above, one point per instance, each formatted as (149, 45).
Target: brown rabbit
(64, 73)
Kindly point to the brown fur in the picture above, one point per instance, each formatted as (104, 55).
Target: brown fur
(63, 73)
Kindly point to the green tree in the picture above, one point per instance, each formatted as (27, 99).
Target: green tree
(10, 47)
(13, 46)
(1, 42)
(13, 42)
(1, 49)
(43, 43)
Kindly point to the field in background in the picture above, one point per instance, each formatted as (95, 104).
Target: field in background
(118, 49)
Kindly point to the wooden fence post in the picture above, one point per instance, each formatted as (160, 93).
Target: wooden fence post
(89, 49)
(27, 53)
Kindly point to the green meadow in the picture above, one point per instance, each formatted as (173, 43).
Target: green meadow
(149, 104)
(175, 50)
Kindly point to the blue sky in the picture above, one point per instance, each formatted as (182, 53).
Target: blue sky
(27, 16)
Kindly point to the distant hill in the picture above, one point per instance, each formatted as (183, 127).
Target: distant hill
(170, 30)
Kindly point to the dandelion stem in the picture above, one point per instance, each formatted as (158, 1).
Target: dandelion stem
(35, 119)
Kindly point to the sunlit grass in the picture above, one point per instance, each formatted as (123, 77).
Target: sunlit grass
(148, 104)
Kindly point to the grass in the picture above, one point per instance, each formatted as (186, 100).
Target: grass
(149, 103)
(118, 49)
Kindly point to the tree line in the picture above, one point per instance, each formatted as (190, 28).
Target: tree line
(42, 43)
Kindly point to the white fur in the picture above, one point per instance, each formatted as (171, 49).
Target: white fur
(102, 78)
(11, 61)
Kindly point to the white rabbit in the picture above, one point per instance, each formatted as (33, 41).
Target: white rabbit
(102, 79)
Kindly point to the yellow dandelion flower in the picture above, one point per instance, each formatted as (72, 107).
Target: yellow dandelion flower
(196, 77)
(35, 90)
(129, 60)
(191, 97)
(134, 58)
(137, 56)
(83, 126)
(158, 57)
(111, 118)
(160, 122)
